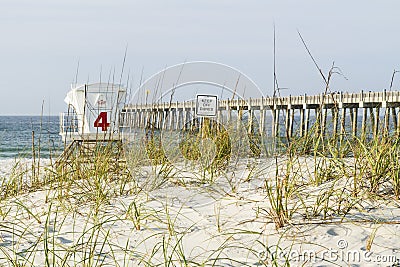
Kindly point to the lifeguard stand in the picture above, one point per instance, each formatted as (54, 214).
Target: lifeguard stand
(93, 112)
(92, 121)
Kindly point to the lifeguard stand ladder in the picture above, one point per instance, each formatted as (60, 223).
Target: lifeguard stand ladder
(91, 124)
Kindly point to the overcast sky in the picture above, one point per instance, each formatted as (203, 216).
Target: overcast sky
(42, 42)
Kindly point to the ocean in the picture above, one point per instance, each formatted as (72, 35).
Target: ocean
(16, 136)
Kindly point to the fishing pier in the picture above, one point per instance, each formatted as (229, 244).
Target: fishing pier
(363, 113)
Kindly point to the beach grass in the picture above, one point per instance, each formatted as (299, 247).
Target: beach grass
(110, 212)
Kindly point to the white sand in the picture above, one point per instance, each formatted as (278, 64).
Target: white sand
(210, 224)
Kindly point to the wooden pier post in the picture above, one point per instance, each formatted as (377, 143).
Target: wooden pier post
(165, 117)
(352, 120)
(387, 110)
(376, 123)
(228, 110)
(250, 118)
(364, 123)
(178, 117)
(287, 122)
(150, 118)
(301, 132)
(343, 123)
(134, 119)
(394, 119)
(278, 122)
(137, 118)
(335, 121)
(291, 123)
(372, 120)
(142, 118)
(307, 121)
(324, 119)
(171, 118)
(318, 120)
(158, 119)
(250, 122)
(398, 124)
(262, 122)
(262, 117)
(290, 115)
(273, 126)
(145, 118)
(354, 126)
(184, 114)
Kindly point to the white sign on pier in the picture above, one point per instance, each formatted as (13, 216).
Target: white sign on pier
(206, 105)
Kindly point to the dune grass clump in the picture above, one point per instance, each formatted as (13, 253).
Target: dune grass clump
(193, 135)
(154, 146)
(338, 173)
(378, 164)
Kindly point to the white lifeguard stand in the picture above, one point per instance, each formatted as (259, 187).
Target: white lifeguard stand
(92, 120)
(93, 112)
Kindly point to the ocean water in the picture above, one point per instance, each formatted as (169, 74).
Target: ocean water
(16, 136)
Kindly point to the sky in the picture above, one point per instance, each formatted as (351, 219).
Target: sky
(42, 42)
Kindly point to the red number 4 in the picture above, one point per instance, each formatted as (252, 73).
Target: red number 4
(101, 121)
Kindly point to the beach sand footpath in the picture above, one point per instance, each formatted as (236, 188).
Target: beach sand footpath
(187, 222)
